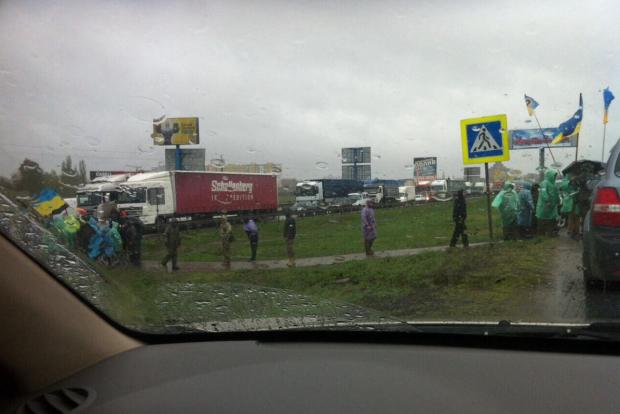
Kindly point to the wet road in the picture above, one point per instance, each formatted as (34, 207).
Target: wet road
(568, 300)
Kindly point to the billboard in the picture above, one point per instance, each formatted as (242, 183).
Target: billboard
(471, 173)
(356, 163)
(533, 138)
(356, 172)
(175, 131)
(191, 159)
(425, 168)
(357, 155)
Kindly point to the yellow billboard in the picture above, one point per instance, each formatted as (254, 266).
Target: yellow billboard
(175, 131)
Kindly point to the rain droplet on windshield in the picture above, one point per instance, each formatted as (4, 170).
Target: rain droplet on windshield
(143, 108)
(251, 150)
(145, 148)
(409, 167)
(475, 129)
(217, 162)
(322, 165)
(69, 172)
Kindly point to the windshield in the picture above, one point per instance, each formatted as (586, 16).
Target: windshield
(225, 111)
(129, 195)
(89, 199)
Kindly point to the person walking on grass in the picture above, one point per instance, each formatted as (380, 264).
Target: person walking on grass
(172, 240)
(251, 229)
(290, 230)
(369, 227)
(226, 237)
(459, 215)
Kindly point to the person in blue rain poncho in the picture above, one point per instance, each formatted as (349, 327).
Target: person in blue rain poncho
(526, 205)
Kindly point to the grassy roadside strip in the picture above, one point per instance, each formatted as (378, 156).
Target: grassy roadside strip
(483, 283)
(335, 234)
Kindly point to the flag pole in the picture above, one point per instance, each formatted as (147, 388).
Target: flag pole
(577, 147)
(543, 137)
(604, 134)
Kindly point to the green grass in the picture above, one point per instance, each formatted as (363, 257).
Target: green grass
(334, 234)
(482, 283)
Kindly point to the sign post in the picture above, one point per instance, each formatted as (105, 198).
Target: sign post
(178, 159)
(488, 191)
(485, 140)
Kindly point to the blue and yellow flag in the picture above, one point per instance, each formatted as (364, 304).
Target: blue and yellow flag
(607, 98)
(571, 127)
(531, 104)
(48, 203)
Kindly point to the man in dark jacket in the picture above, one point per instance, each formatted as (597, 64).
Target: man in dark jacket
(290, 230)
(459, 214)
(172, 239)
(133, 230)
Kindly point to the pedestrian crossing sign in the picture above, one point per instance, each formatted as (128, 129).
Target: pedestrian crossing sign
(485, 139)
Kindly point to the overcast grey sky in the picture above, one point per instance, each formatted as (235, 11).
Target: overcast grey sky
(293, 82)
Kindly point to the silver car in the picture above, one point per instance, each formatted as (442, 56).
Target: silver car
(601, 225)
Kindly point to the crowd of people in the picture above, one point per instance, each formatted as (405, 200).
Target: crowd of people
(108, 236)
(112, 236)
(526, 209)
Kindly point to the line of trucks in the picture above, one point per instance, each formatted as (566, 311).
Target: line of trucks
(154, 197)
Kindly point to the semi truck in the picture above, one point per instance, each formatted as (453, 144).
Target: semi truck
(99, 190)
(193, 195)
(382, 190)
(448, 185)
(317, 193)
(406, 193)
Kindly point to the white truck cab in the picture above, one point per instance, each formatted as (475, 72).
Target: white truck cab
(148, 196)
(406, 193)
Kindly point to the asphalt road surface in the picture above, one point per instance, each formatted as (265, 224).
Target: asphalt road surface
(569, 301)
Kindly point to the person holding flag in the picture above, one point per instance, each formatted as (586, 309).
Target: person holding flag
(607, 98)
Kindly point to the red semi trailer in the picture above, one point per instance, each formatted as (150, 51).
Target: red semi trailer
(191, 195)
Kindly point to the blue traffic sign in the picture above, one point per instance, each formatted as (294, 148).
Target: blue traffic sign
(485, 139)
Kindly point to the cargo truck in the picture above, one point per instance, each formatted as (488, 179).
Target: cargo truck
(196, 195)
(382, 190)
(99, 190)
(325, 192)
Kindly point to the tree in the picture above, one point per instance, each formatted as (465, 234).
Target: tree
(29, 177)
(82, 172)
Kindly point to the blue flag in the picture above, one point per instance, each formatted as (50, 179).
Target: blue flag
(607, 98)
(570, 128)
(531, 104)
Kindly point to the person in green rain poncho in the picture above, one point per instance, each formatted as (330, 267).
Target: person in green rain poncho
(507, 202)
(547, 205)
(570, 209)
(71, 227)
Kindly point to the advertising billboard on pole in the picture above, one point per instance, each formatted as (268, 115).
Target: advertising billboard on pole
(175, 131)
(425, 168)
(533, 138)
(356, 163)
